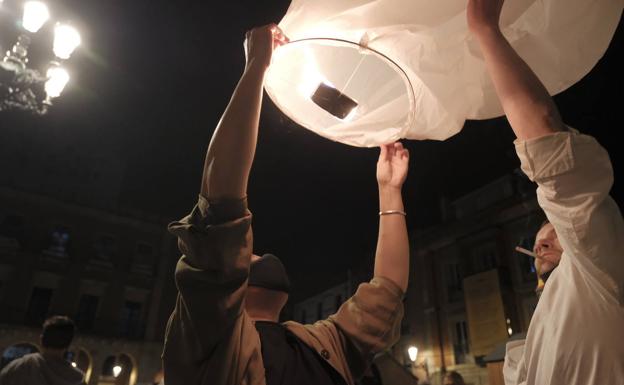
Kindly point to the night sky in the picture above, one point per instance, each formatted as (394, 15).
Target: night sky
(149, 85)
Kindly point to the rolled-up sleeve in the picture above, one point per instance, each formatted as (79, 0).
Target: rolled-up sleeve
(574, 177)
(211, 277)
(371, 318)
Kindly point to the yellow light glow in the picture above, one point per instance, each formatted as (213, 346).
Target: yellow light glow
(35, 15)
(412, 351)
(57, 79)
(66, 39)
(351, 114)
(311, 76)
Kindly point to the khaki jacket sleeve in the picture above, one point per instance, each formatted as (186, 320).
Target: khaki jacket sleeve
(371, 318)
(574, 177)
(208, 328)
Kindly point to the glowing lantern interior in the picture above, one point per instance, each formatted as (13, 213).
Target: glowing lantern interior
(341, 89)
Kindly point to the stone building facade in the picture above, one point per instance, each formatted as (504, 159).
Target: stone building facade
(111, 273)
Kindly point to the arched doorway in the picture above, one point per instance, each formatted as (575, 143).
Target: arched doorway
(119, 370)
(81, 359)
(16, 351)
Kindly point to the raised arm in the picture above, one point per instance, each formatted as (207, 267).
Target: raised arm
(573, 172)
(370, 320)
(208, 326)
(526, 102)
(392, 257)
(232, 148)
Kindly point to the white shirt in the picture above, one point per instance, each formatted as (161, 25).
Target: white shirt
(576, 335)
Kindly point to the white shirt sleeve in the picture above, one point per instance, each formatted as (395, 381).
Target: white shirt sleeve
(514, 365)
(574, 177)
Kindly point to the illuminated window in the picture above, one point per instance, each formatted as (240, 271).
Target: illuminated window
(59, 242)
(16, 351)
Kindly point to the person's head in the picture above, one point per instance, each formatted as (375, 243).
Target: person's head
(58, 332)
(268, 288)
(548, 251)
(453, 378)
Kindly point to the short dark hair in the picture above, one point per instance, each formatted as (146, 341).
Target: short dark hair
(58, 332)
(455, 377)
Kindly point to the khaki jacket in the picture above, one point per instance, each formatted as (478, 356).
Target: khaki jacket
(210, 339)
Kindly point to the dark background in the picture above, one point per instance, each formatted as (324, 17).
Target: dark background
(148, 87)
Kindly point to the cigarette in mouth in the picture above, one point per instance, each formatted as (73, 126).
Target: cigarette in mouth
(525, 251)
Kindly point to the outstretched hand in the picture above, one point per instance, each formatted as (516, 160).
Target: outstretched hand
(483, 15)
(260, 43)
(392, 165)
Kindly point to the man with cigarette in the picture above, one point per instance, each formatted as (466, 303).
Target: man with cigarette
(576, 333)
(547, 253)
(224, 329)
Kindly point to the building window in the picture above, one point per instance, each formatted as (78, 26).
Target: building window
(338, 301)
(144, 250)
(105, 248)
(38, 306)
(87, 310)
(143, 261)
(59, 242)
(460, 342)
(484, 257)
(131, 319)
(12, 227)
(453, 280)
(16, 351)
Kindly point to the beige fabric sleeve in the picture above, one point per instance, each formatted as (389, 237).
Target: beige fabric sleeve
(371, 318)
(207, 325)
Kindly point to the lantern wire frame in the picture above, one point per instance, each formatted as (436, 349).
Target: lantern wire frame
(365, 50)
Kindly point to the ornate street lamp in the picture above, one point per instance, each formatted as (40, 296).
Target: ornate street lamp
(25, 88)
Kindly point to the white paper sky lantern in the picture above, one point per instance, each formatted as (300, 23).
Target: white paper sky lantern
(365, 72)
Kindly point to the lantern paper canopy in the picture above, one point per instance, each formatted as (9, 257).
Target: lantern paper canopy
(366, 73)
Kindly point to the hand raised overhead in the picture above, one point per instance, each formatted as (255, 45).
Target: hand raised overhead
(260, 43)
(483, 15)
(392, 165)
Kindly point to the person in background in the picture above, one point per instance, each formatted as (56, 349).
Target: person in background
(453, 378)
(575, 335)
(224, 329)
(48, 367)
